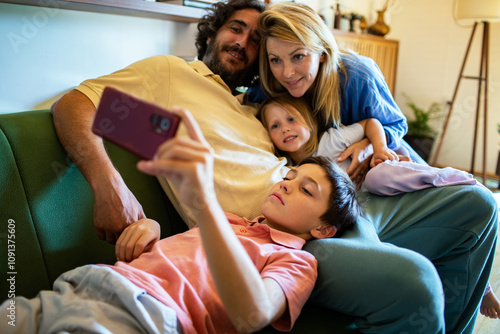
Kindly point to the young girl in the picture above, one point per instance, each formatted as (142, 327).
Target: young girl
(294, 132)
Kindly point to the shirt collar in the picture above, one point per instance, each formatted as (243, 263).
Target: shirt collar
(201, 68)
(280, 237)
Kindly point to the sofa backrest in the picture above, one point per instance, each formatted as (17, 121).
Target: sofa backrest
(46, 205)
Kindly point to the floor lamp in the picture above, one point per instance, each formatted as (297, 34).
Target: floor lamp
(481, 12)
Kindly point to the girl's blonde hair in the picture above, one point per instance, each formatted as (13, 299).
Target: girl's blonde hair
(299, 23)
(298, 108)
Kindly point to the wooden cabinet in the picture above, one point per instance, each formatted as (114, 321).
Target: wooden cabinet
(382, 50)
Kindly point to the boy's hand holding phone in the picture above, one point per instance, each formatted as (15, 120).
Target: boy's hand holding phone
(187, 162)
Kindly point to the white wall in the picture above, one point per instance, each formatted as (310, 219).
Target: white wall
(47, 51)
(44, 52)
(432, 48)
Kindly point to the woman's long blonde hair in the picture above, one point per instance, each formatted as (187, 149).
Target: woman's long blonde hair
(299, 23)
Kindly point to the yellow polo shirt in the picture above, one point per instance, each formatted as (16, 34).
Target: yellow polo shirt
(245, 167)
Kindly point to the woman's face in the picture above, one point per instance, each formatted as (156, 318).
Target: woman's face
(295, 66)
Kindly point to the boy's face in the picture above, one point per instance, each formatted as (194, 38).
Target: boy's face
(296, 204)
(286, 130)
(233, 51)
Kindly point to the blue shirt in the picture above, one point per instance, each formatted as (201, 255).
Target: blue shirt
(365, 94)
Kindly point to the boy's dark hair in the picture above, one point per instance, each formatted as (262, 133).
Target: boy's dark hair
(218, 14)
(343, 207)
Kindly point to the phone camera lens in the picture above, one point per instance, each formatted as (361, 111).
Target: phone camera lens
(165, 124)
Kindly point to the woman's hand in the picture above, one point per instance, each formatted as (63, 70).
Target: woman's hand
(187, 162)
(137, 238)
(360, 154)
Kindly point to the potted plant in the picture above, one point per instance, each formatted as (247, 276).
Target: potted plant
(421, 134)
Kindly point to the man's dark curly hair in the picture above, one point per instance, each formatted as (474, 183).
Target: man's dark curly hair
(218, 14)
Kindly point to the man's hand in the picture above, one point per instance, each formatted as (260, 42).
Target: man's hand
(115, 208)
(360, 154)
(137, 238)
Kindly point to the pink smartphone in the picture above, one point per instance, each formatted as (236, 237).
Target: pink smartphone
(138, 126)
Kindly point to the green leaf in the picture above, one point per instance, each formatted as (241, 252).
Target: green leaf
(419, 126)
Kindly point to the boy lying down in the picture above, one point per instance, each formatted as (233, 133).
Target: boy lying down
(227, 274)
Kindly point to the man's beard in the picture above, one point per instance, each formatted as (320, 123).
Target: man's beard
(232, 78)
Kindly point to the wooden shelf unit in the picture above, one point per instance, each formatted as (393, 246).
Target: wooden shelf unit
(141, 8)
(382, 50)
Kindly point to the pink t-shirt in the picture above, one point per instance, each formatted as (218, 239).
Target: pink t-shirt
(176, 272)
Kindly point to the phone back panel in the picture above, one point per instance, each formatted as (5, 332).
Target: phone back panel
(133, 124)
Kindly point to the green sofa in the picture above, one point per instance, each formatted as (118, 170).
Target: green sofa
(46, 214)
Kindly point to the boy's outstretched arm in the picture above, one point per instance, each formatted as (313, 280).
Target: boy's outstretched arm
(251, 301)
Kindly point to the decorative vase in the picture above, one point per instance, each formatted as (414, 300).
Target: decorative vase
(379, 28)
(363, 25)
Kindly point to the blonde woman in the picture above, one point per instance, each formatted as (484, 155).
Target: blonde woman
(340, 87)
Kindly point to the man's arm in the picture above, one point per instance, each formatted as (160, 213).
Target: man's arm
(115, 207)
